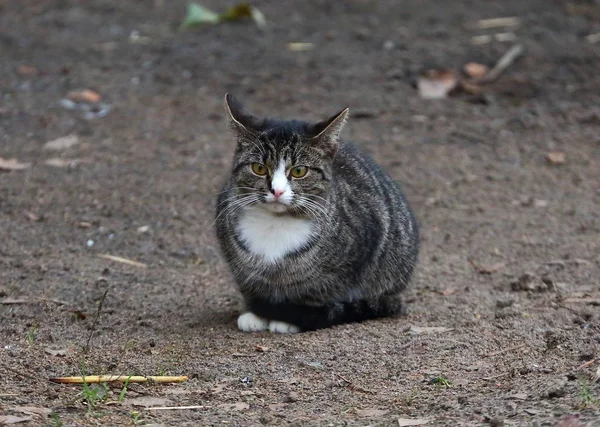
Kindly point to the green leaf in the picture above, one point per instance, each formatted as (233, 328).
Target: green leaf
(199, 15)
(244, 10)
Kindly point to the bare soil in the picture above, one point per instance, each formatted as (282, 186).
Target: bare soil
(509, 276)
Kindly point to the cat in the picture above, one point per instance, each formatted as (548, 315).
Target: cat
(315, 233)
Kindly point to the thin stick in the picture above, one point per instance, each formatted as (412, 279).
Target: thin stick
(503, 63)
(87, 345)
(493, 377)
(352, 386)
(505, 350)
(586, 364)
(95, 379)
(123, 260)
(508, 21)
(165, 408)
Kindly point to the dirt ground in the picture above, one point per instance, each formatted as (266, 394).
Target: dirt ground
(503, 325)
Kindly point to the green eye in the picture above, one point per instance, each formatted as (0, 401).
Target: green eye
(299, 171)
(259, 169)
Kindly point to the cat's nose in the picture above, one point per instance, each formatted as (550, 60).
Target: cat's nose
(277, 193)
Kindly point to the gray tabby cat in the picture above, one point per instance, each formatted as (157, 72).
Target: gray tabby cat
(315, 233)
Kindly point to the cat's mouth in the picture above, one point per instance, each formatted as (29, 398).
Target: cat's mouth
(277, 206)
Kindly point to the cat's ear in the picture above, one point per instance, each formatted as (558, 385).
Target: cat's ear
(327, 133)
(241, 120)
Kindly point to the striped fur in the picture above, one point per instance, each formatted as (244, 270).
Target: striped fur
(364, 244)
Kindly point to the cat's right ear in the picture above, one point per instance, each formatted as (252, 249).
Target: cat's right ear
(242, 122)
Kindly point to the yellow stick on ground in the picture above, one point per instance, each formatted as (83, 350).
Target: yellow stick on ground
(123, 260)
(92, 379)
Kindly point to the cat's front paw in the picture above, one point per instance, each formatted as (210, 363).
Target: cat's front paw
(250, 322)
(283, 328)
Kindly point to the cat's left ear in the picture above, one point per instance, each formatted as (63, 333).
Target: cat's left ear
(327, 133)
(243, 122)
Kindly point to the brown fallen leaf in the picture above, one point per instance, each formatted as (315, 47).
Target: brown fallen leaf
(84, 95)
(58, 353)
(475, 70)
(407, 422)
(12, 165)
(147, 401)
(447, 292)
(556, 157)
(371, 413)
(61, 143)
(261, 348)
(436, 84)
(12, 419)
(33, 217)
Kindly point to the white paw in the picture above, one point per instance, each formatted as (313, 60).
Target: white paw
(282, 327)
(250, 322)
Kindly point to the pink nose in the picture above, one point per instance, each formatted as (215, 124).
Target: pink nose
(278, 193)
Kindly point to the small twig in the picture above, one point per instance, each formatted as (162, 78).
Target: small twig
(87, 344)
(95, 379)
(165, 408)
(55, 301)
(352, 386)
(505, 350)
(508, 21)
(586, 364)
(503, 63)
(493, 377)
(243, 355)
(123, 260)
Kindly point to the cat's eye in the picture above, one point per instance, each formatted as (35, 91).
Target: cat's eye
(299, 171)
(259, 169)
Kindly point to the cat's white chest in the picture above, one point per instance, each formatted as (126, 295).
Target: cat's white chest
(273, 236)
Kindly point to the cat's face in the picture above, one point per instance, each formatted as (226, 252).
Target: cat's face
(283, 166)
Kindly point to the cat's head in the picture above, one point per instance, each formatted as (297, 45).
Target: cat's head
(283, 166)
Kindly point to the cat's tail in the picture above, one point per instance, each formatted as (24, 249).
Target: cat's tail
(309, 318)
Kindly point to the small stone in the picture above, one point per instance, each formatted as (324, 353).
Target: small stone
(557, 388)
(291, 397)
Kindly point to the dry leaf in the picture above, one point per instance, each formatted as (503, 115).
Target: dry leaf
(11, 419)
(448, 292)
(148, 401)
(12, 165)
(407, 422)
(419, 330)
(261, 348)
(436, 84)
(32, 217)
(300, 46)
(475, 70)
(556, 157)
(33, 410)
(61, 143)
(84, 95)
(371, 413)
(59, 353)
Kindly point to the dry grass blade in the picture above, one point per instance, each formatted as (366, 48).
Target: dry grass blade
(507, 21)
(503, 63)
(96, 379)
(123, 260)
(12, 165)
